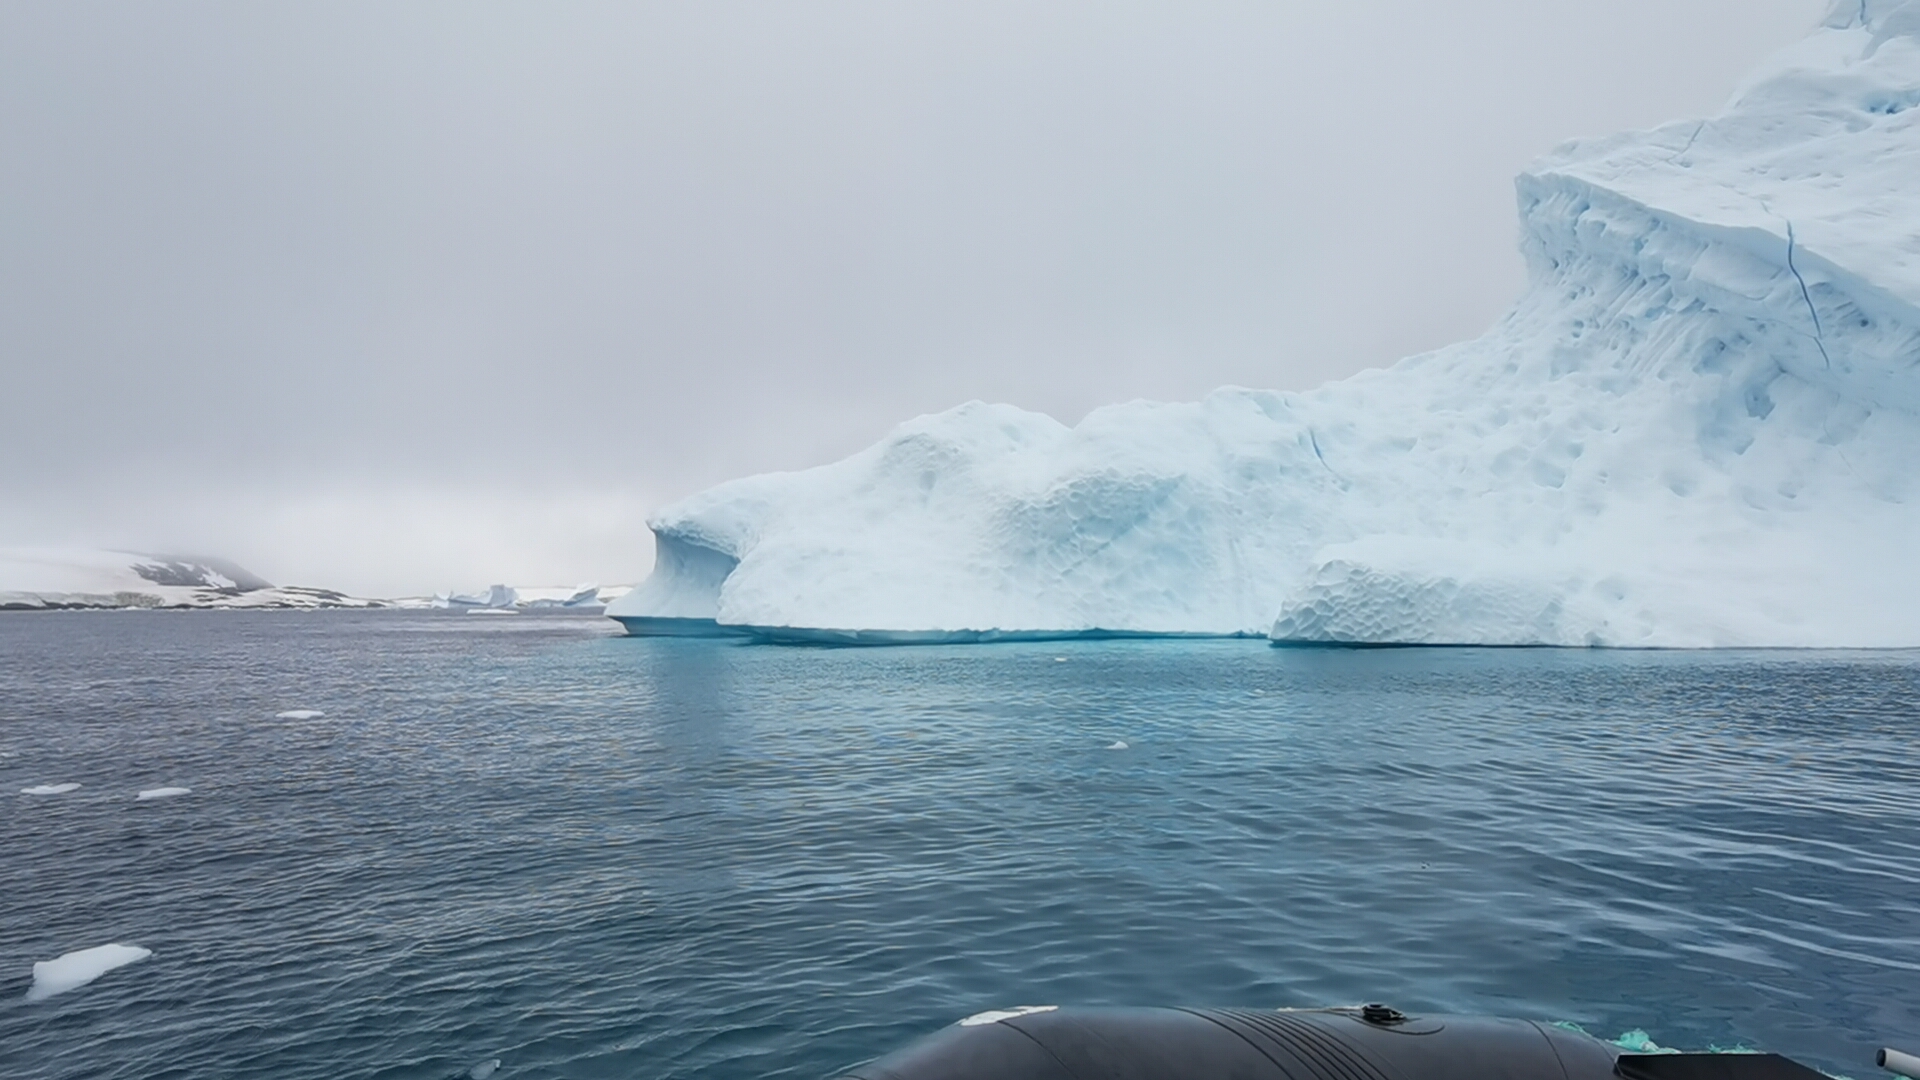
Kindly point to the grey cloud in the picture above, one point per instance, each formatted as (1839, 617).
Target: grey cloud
(259, 259)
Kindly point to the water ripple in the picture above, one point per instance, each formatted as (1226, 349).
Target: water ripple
(595, 856)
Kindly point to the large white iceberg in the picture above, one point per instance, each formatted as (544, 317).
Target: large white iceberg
(1698, 427)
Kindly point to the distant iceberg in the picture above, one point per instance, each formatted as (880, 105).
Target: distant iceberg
(576, 598)
(495, 596)
(502, 598)
(1696, 428)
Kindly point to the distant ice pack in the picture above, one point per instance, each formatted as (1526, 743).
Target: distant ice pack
(1696, 428)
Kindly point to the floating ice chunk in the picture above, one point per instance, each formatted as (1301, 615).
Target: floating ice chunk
(1059, 659)
(1118, 744)
(994, 1016)
(484, 1069)
(299, 714)
(49, 789)
(164, 792)
(76, 969)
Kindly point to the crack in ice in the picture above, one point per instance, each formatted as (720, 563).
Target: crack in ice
(1674, 158)
(1819, 335)
(1314, 441)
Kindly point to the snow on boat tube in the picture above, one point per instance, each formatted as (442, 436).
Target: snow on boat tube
(1368, 1043)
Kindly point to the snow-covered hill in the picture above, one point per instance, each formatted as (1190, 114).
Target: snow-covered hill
(1697, 428)
(43, 578)
(32, 578)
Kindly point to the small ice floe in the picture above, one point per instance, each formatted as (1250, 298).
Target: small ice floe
(994, 1016)
(49, 789)
(163, 792)
(484, 1069)
(1118, 744)
(76, 969)
(1059, 659)
(299, 714)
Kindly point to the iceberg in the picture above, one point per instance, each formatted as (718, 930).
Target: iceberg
(582, 598)
(494, 596)
(74, 970)
(1694, 429)
(589, 598)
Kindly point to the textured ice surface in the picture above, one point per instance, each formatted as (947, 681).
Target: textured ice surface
(49, 789)
(1696, 428)
(164, 792)
(76, 969)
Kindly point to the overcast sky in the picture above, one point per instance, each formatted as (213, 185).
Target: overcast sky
(396, 297)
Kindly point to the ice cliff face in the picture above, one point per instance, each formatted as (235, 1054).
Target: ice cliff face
(1697, 428)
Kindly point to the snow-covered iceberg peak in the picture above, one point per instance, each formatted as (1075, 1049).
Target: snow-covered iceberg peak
(1695, 428)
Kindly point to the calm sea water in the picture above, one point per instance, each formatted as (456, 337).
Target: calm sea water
(593, 856)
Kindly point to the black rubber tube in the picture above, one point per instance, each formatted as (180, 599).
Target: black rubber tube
(1245, 1044)
(1368, 1043)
